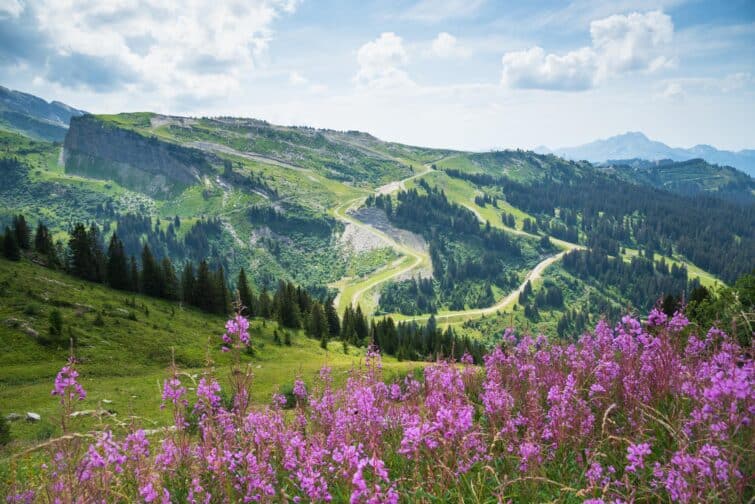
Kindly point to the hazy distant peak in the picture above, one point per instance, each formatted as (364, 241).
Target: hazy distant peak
(636, 145)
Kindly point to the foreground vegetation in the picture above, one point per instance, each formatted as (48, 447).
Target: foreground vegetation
(639, 412)
(124, 342)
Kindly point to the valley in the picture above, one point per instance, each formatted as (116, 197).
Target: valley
(284, 197)
(349, 267)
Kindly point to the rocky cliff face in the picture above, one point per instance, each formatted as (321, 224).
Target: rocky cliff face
(98, 149)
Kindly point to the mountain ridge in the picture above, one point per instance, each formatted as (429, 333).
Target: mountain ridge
(635, 144)
(35, 117)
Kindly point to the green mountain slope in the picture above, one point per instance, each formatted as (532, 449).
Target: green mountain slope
(125, 344)
(290, 203)
(691, 177)
(34, 117)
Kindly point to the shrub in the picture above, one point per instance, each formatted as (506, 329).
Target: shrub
(4, 431)
(56, 324)
(31, 309)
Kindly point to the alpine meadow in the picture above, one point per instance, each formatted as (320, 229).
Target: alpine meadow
(421, 251)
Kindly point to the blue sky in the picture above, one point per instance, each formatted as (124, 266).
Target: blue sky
(471, 74)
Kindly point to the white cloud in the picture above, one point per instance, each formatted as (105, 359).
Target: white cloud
(433, 11)
(381, 62)
(673, 91)
(446, 45)
(12, 8)
(533, 69)
(188, 50)
(632, 42)
(734, 83)
(296, 78)
(620, 44)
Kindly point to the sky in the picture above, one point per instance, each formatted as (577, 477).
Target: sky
(465, 74)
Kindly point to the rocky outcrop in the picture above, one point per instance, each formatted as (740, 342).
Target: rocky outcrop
(99, 149)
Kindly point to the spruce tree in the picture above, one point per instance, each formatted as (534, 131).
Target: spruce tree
(348, 332)
(222, 300)
(264, 305)
(81, 262)
(188, 284)
(117, 265)
(10, 246)
(133, 284)
(245, 295)
(334, 324)
(170, 282)
(42, 240)
(151, 278)
(318, 323)
(286, 304)
(360, 325)
(23, 235)
(96, 253)
(204, 292)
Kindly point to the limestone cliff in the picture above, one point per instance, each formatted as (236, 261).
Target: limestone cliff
(99, 149)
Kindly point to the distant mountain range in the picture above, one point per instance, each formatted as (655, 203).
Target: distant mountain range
(33, 116)
(635, 145)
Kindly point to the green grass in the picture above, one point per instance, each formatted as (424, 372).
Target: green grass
(463, 192)
(706, 279)
(125, 360)
(364, 263)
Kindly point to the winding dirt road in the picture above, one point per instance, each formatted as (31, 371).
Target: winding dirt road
(416, 258)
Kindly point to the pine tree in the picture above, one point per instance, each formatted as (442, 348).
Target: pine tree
(98, 256)
(360, 325)
(23, 235)
(117, 265)
(170, 281)
(334, 324)
(348, 333)
(264, 305)
(151, 278)
(188, 284)
(81, 262)
(133, 284)
(42, 240)
(10, 246)
(286, 303)
(222, 300)
(204, 292)
(318, 322)
(245, 295)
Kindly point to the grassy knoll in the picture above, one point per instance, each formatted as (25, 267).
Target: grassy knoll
(125, 343)
(463, 192)
(706, 279)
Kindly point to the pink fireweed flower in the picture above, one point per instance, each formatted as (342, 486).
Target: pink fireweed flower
(27, 497)
(372, 494)
(279, 401)
(236, 333)
(678, 322)
(656, 318)
(529, 454)
(66, 384)
(173, 392)
(208, 391)
(636, 456)
(300, 389)
(533, 401)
